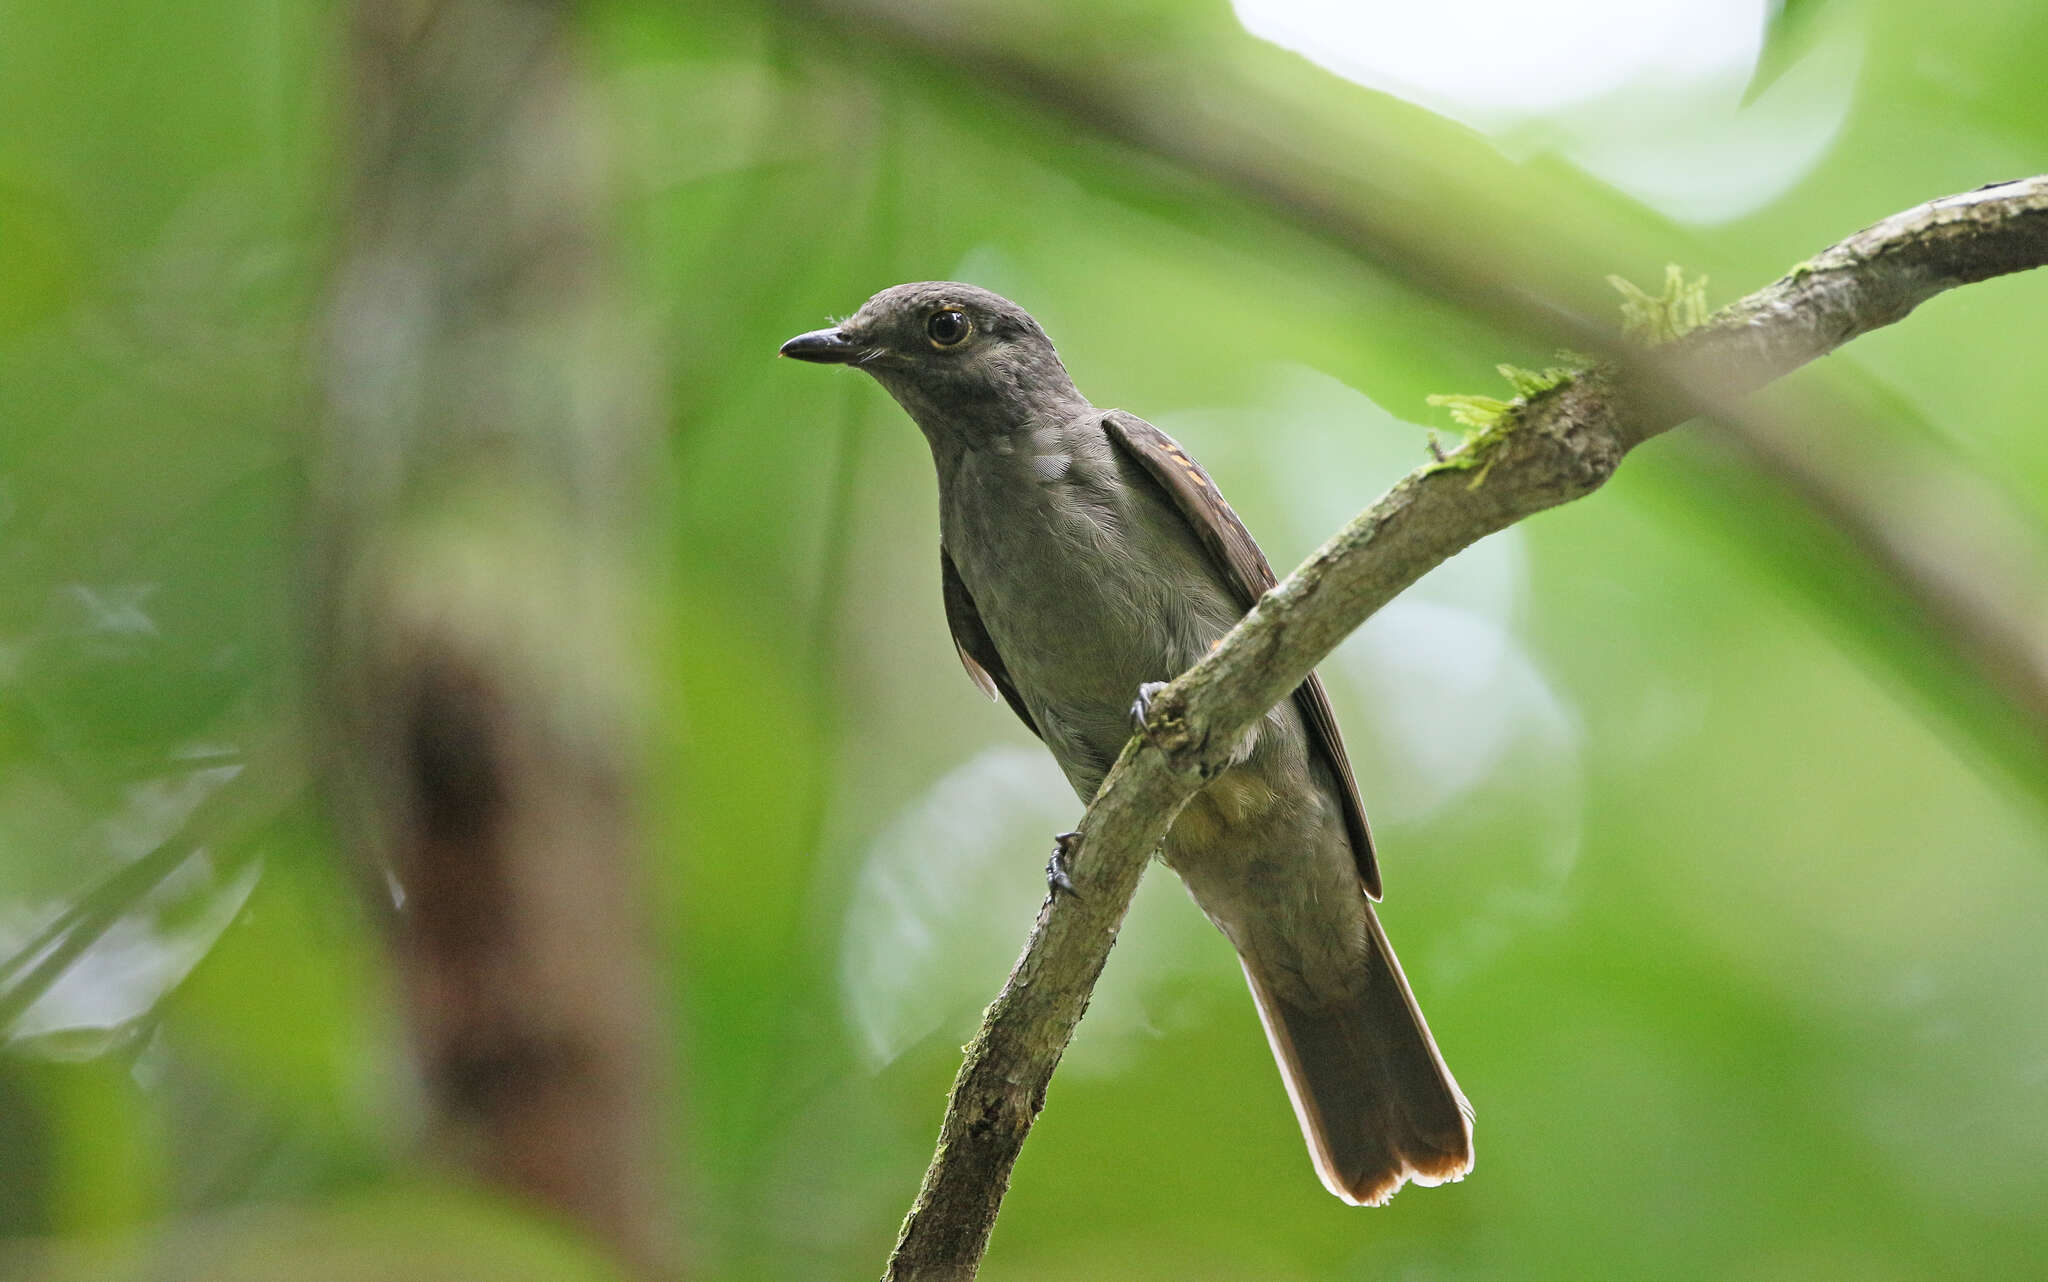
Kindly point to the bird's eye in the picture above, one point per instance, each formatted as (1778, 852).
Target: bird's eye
(947, 328)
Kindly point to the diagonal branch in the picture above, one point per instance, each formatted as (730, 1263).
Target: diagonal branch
(1212, 117)
(1554, 447)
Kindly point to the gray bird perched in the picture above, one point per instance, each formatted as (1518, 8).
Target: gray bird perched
(1086, 558)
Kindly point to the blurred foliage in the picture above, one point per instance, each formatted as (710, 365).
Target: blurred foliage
(1715, 872)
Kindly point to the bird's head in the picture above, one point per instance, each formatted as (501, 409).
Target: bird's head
(963, 361)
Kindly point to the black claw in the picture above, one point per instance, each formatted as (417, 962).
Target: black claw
(1056, 878)
(1141, 708)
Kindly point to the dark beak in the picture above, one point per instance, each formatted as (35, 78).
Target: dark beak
(822, 347)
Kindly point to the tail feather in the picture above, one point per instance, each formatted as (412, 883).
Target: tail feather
(1375, 1101)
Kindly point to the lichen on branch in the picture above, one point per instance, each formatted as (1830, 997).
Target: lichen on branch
(1661, 318)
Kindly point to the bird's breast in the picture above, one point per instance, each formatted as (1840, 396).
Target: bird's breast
(1088, 585)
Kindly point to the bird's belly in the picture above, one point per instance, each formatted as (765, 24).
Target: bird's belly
(1228, 804)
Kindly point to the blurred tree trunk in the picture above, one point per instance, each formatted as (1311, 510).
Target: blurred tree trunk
(479, 489)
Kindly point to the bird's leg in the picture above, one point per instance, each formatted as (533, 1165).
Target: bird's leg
(1141, 717)
(1141, 708)
(1056, 879)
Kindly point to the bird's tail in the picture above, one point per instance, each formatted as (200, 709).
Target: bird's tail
(1375, 1101)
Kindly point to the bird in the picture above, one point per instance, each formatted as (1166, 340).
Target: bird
(1085, 558)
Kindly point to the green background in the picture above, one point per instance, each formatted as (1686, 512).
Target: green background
(1721, 883)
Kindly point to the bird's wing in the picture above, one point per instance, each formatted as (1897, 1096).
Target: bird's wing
(976, 648)
(1245, 567)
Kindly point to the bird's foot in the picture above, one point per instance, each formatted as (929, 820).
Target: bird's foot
(1141, 708)
(1057, 880)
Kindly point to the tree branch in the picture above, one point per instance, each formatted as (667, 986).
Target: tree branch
(1554, 447)
(1229, 119)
